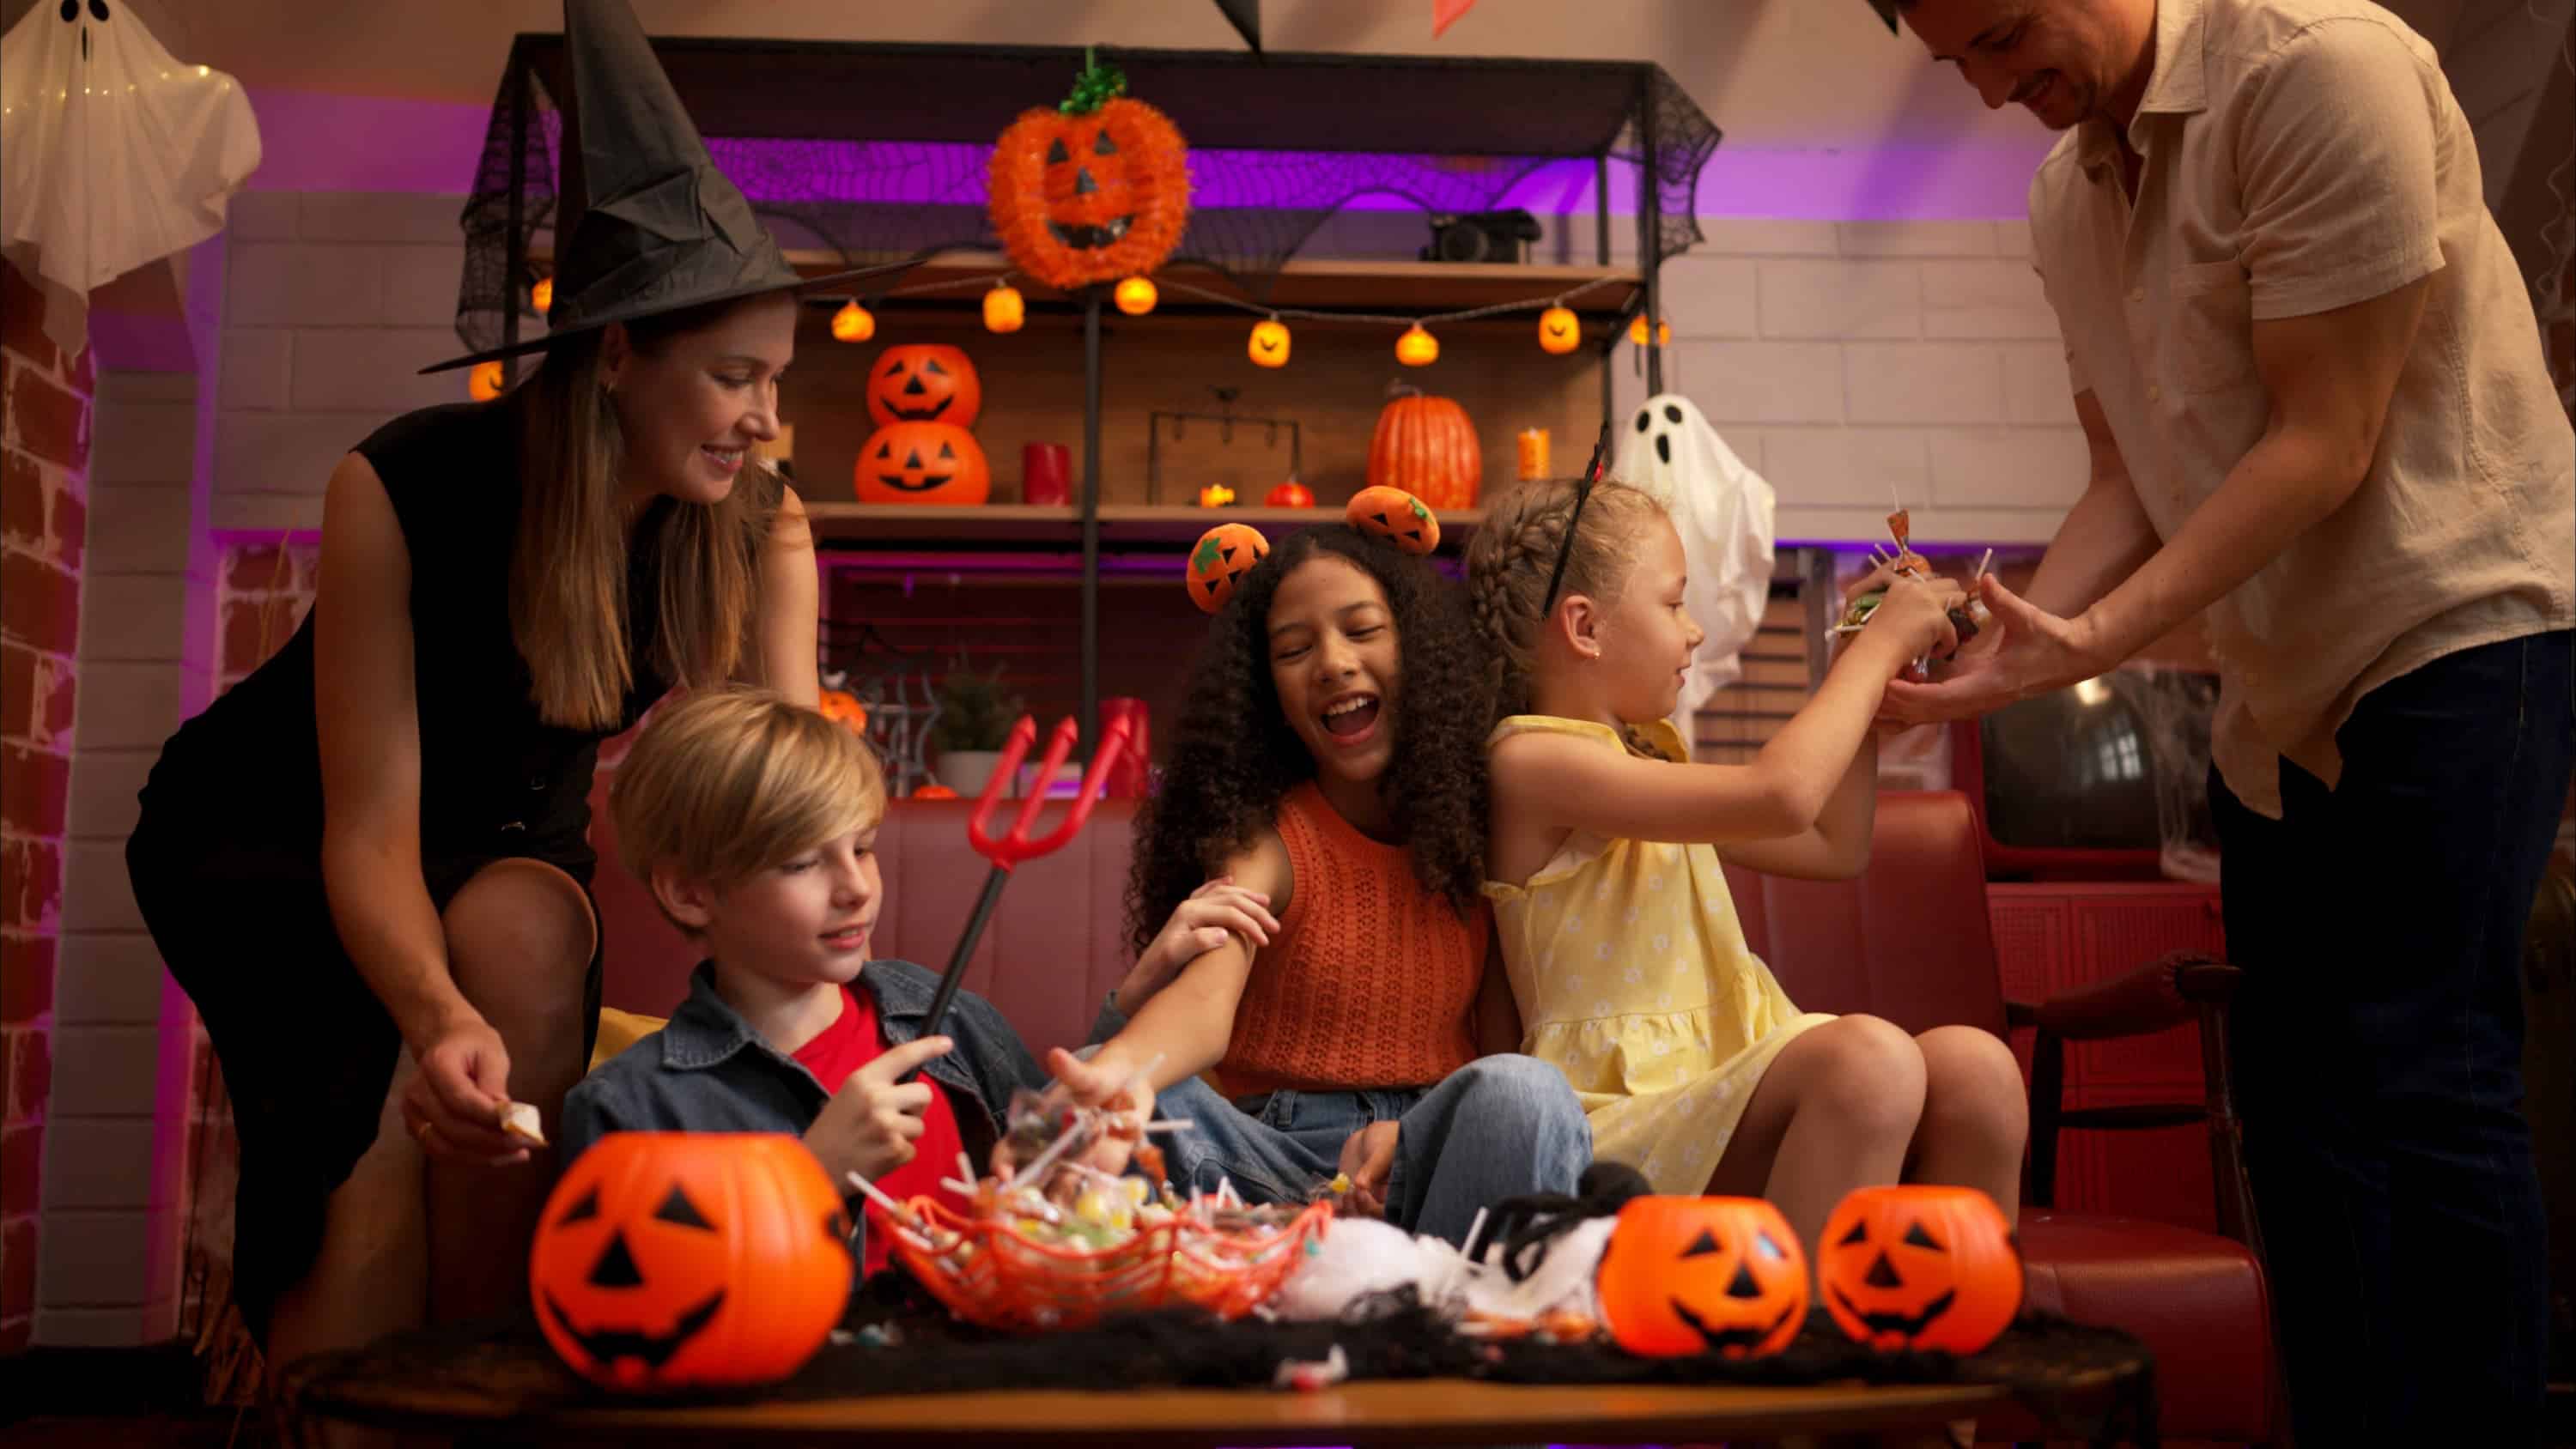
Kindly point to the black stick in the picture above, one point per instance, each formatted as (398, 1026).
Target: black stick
(956, 972)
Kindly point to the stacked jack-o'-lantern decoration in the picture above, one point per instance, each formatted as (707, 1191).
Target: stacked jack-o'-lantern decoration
(923, 397)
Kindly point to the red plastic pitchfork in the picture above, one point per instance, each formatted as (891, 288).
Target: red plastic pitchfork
(1016, 846)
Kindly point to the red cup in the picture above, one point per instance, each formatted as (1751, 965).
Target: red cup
(1046, 474)
(1127, 778)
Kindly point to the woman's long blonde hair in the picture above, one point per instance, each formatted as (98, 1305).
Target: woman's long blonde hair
(569, 564)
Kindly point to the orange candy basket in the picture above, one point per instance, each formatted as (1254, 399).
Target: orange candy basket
(988, 1274)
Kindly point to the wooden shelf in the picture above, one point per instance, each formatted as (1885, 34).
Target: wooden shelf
(1324, 284)
(868, 526)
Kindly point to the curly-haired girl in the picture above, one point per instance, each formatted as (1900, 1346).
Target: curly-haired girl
(1622, 944)
(1315, 770)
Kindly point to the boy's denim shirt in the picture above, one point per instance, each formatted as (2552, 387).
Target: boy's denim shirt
(708, 1071)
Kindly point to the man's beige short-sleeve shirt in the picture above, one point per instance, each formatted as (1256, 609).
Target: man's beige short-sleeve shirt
(2300, 156)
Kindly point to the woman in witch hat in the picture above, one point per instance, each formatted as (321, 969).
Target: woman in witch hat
(367, 862)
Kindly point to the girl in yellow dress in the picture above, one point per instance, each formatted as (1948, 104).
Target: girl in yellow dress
(1622, 945)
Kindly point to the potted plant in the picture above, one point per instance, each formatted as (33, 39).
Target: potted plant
(974, 721)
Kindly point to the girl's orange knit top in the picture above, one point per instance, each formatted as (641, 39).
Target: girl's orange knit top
(1371, 980)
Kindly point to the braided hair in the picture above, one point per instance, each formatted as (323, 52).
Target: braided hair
(1233, 755)
(1512, 554)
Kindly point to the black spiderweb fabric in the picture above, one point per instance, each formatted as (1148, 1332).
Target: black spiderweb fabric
(884, 200)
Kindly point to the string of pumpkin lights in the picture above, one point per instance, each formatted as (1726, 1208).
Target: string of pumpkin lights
(1006, 311)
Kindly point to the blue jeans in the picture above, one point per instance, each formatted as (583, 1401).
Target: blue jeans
(1498, 1127)
(2378, 1048)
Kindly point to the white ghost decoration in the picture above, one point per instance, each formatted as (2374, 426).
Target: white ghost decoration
(1724, 513)
(112, 153)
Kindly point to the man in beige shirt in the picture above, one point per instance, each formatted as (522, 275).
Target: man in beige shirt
(2319, 420)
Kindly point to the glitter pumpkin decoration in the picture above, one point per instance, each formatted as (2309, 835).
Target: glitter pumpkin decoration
(1268, 345)
(924, 382)
(1094, 190)
(1690, 1275)
(1919, 1266)
(668, 1260)
(922, 463)
(1222, 556)
(1559, 330)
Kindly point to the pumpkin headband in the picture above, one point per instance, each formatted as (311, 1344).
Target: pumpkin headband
(1225, 553)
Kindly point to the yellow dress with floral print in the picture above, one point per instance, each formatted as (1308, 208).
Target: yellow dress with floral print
(1633, 977)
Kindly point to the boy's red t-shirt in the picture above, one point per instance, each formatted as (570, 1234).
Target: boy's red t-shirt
(852, 1041)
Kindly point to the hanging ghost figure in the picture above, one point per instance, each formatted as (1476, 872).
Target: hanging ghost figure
(1724, 513)
(112, 152)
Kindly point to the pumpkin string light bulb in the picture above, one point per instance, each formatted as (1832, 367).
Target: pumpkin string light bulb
(1559, 330)
(541, 295)
(1268, 345)
(853, 323)
(1637, 331)
(1135, 296)
(1004, 309)
(1417, 348)
(485, 382)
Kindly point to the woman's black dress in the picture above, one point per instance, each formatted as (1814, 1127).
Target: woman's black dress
(226, 860)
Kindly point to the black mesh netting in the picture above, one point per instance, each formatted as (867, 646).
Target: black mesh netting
(883, 200)
(2088, 1383)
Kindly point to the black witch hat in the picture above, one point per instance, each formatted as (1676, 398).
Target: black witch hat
(661, 228)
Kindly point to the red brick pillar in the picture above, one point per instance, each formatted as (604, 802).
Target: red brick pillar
(44, 465)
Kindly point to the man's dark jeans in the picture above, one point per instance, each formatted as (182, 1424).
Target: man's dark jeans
(2378, 1042)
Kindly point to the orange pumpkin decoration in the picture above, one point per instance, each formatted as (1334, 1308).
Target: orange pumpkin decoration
(924, 382)
(1559, 330)
(1005, 310)
(1224, 554)
(1920, 1266)
(1095, 189)
(923, 463)
(1396, 516)
(1291, 494)
(1689, 1275)
(687, 1259)
(1269, 344)
(1427, 447)
(842, 706)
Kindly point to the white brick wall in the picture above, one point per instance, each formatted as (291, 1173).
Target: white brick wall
(334, 301)
(1915, 360)
(1844, 346)
(108, 1266)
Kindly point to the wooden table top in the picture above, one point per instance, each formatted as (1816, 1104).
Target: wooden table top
(1412, 1411)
